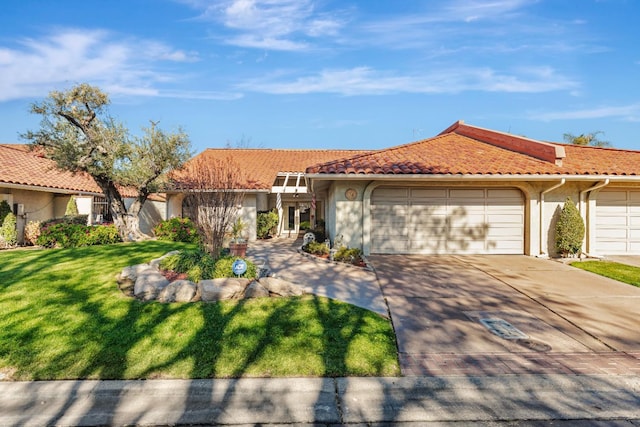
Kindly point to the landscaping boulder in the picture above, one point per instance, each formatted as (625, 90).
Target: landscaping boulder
(149, 284)
(222, 289)
(256, 290)
(131, 273)
(281, 287)
(156, 262)
(178, 291)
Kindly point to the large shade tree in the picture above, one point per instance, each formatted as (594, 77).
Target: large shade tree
(77, 132)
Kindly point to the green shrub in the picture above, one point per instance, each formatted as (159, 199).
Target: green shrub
(5, 209)
(70, 219)
(8, 231)
(305, 225)
(100, 235)
(569, 229)
(351, 256)
(177, 230)
(72, 207)
(197, 264)
(69, 235)
(32, 232)
(224, 268)
(319, 234)
(266, 224)
(316, 248)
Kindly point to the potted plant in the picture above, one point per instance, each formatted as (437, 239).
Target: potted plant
(238, 245)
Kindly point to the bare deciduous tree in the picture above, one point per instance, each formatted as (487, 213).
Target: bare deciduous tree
(213, 197)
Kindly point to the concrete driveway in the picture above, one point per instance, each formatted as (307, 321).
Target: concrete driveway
(567, 315)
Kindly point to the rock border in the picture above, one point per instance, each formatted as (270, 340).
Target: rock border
(147, 283)
(367, 266)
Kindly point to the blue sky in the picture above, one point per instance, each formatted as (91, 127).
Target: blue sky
(331, 74)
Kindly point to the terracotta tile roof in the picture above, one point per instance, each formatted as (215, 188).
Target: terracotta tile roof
(583, 160)
(260, 166)
(19, 165)
(495, 154)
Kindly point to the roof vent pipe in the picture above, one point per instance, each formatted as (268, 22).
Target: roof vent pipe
(542, 194)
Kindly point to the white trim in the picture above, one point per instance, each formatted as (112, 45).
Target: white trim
(543, 240)
(47, 189)
(589, 215)
(290, 189)
(474, 177)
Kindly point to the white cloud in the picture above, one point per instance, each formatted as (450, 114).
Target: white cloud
(270, 24)
(629, 112)
(367, 81)
(475, 10)
(121, 67)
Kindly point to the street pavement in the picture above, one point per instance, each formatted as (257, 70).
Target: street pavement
(578, 365)
(486, 400)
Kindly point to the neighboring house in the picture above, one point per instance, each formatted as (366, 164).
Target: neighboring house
(471, 190)
(467, 190)
(38, 191)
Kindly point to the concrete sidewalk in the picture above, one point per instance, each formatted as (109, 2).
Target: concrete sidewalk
(535, 400)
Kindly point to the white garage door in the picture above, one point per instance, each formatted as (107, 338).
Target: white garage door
(618, 222)
(418, 220)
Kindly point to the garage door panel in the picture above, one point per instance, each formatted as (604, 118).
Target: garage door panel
(391, 246)
(467, 193)
(607, 197)
(505, 220)
(618, 222)
(506, 246)
(611, 221)
(428, 193)
(502, 233)
(633, 196)
(451, 220)
(425, 212)
(612, 233)
(504, 193)
(384, 193)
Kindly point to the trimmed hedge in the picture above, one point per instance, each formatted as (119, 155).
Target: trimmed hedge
(69, 235)
(569, 229)
(8, 231)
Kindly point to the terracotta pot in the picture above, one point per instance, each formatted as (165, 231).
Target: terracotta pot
(238, 249)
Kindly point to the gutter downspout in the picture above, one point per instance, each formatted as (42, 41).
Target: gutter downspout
(584, 214)
(542, 193)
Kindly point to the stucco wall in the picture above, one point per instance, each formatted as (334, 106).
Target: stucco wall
(248, 211)
(38, 205)
(152, 213)
(249, 214)
(174, 206)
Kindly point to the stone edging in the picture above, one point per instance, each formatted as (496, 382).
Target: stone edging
(147, 283)
(367, 266)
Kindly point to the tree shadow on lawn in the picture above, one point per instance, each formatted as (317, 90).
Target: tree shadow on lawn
(98, 333)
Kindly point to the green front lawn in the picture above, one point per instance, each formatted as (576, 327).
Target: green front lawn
(62, 317)
(613, 270)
